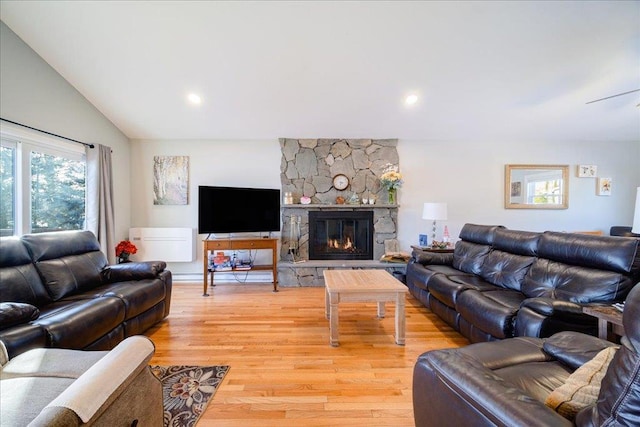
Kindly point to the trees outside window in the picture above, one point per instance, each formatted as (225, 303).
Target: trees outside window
(42, 186)
(7, 191)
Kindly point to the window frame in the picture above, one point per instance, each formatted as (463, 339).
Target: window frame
(25, 141)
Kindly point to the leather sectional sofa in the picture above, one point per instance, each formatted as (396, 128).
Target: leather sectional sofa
(506, 383)
(57, 290)
(502, 283)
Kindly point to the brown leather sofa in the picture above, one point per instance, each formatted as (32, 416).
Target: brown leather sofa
(502, 283)
(506, 383)
(57, 290)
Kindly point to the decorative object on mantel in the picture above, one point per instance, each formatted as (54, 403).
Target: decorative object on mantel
(587, 171)
(636, 215)
(604, 187)
(124, 249)
(391, 180)
(435, 212)
(305, 200)
(288, 198)
(340, 200)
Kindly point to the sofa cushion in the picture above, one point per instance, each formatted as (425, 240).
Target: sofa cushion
(482, 234)
(76, 324)
(582, 387)
(447, 288)
(468, 256)
(505, 269)
(547, 278)
(490, 311)
(516, 241)
(536, 379)
(20, 279)
(13, 411)
(138, 296)
(15, 313)
(68, 262)
(598, 252)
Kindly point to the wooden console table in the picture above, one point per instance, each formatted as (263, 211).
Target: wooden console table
(241, 244)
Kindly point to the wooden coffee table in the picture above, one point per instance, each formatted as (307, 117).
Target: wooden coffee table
(363, 286)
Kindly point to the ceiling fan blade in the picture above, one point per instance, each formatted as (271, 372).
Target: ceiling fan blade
(613, 96)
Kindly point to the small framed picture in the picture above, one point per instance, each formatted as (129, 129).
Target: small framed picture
(587, 171)
(604, 187)
(422, 240)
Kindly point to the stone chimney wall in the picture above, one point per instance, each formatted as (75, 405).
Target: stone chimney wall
(308, 166)
(307, 169)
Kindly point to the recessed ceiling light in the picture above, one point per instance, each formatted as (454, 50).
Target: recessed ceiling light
(411, 99)
(194, 99)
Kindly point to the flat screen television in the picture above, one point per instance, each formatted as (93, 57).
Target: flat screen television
(237, 210)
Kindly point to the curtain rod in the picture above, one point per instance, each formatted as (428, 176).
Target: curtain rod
(49, 133)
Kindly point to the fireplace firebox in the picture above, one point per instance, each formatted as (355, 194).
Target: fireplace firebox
(343, 235)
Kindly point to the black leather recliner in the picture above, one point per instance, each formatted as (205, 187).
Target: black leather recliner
(505, 383)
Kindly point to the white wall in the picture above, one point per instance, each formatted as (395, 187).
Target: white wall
(226, 163)
(33, 93)
(469, 177)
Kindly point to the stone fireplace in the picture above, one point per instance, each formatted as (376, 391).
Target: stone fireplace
(341, 235)
(307, 169)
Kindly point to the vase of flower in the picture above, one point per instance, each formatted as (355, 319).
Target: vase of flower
(391, 196)
(391, 180)
(124, 249)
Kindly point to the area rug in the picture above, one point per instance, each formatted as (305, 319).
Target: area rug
(186, 391)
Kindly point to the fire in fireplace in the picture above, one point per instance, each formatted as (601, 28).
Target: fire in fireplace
(344, 235)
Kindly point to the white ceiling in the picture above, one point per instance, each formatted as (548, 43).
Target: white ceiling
(484, 71)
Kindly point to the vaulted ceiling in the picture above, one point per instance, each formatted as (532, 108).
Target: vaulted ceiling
(483, 71)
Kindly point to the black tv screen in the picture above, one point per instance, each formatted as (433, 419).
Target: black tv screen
(237, 210)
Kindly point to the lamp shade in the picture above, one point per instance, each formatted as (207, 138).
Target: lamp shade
(434, 211)
(636, 215)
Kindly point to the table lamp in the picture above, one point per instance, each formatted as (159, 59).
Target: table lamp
(636, 215)
(435, 212)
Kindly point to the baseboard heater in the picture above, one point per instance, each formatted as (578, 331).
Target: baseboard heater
(163, 244)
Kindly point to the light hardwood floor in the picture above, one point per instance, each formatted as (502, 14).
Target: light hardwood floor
(283, 370)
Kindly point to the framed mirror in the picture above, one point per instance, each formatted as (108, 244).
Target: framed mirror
(536, 187)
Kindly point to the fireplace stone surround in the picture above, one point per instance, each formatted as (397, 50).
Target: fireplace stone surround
(307, 169)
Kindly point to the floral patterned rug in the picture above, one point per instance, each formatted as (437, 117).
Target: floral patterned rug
(186, 391)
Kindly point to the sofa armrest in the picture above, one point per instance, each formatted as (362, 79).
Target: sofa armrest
(451, 388)
(104, 384)
(133, 271)
(432, 258)
(552, 307)
(574, 349)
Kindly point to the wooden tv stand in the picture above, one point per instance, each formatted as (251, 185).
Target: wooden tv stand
(240, 243)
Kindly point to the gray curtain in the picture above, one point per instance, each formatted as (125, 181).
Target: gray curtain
(100, 212)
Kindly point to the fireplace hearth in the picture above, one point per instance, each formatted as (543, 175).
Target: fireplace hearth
(341, 235)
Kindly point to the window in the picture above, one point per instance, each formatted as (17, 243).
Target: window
(7, 190)
(43, 184)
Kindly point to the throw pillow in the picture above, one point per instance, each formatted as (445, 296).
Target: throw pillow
(14, 313)
(582, 387)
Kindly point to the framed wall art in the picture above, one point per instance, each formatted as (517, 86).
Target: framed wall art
(587, 171)
(170, 180)
(604, 187)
